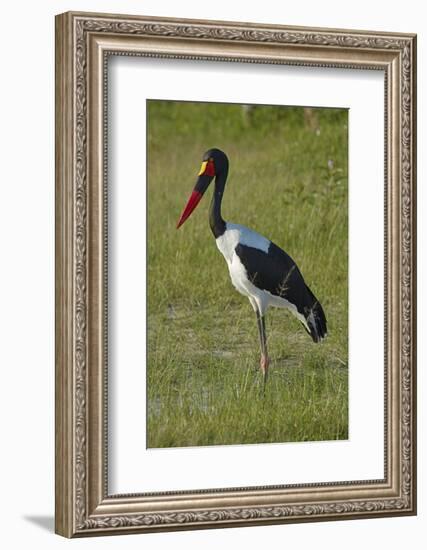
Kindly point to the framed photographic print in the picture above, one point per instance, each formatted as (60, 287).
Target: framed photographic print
(235, 274)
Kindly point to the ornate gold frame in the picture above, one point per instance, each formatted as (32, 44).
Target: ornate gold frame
(83, 42)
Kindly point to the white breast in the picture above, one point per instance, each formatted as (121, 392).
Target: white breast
(235, 234)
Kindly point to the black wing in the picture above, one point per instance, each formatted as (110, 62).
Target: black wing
(276, 272)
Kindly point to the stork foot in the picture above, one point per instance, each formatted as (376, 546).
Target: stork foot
(264, 363)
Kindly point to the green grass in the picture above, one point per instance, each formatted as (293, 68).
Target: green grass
(288, 181)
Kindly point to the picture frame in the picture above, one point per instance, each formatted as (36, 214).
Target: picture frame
(84, 41)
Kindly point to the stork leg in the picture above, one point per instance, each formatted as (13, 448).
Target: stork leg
(265, 361)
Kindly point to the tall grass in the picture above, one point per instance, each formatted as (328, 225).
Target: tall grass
(288, 181)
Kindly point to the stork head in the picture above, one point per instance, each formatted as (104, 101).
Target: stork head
(214, 164)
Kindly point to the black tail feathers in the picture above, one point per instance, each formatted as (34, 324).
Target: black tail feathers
(316, 319)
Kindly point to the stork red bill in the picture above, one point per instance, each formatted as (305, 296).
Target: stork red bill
(193, 201)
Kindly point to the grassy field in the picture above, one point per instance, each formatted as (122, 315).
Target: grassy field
(288, 181)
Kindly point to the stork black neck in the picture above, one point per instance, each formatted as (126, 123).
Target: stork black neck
(217, 224)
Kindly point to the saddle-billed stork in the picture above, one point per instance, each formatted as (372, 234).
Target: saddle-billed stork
(258, 268)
